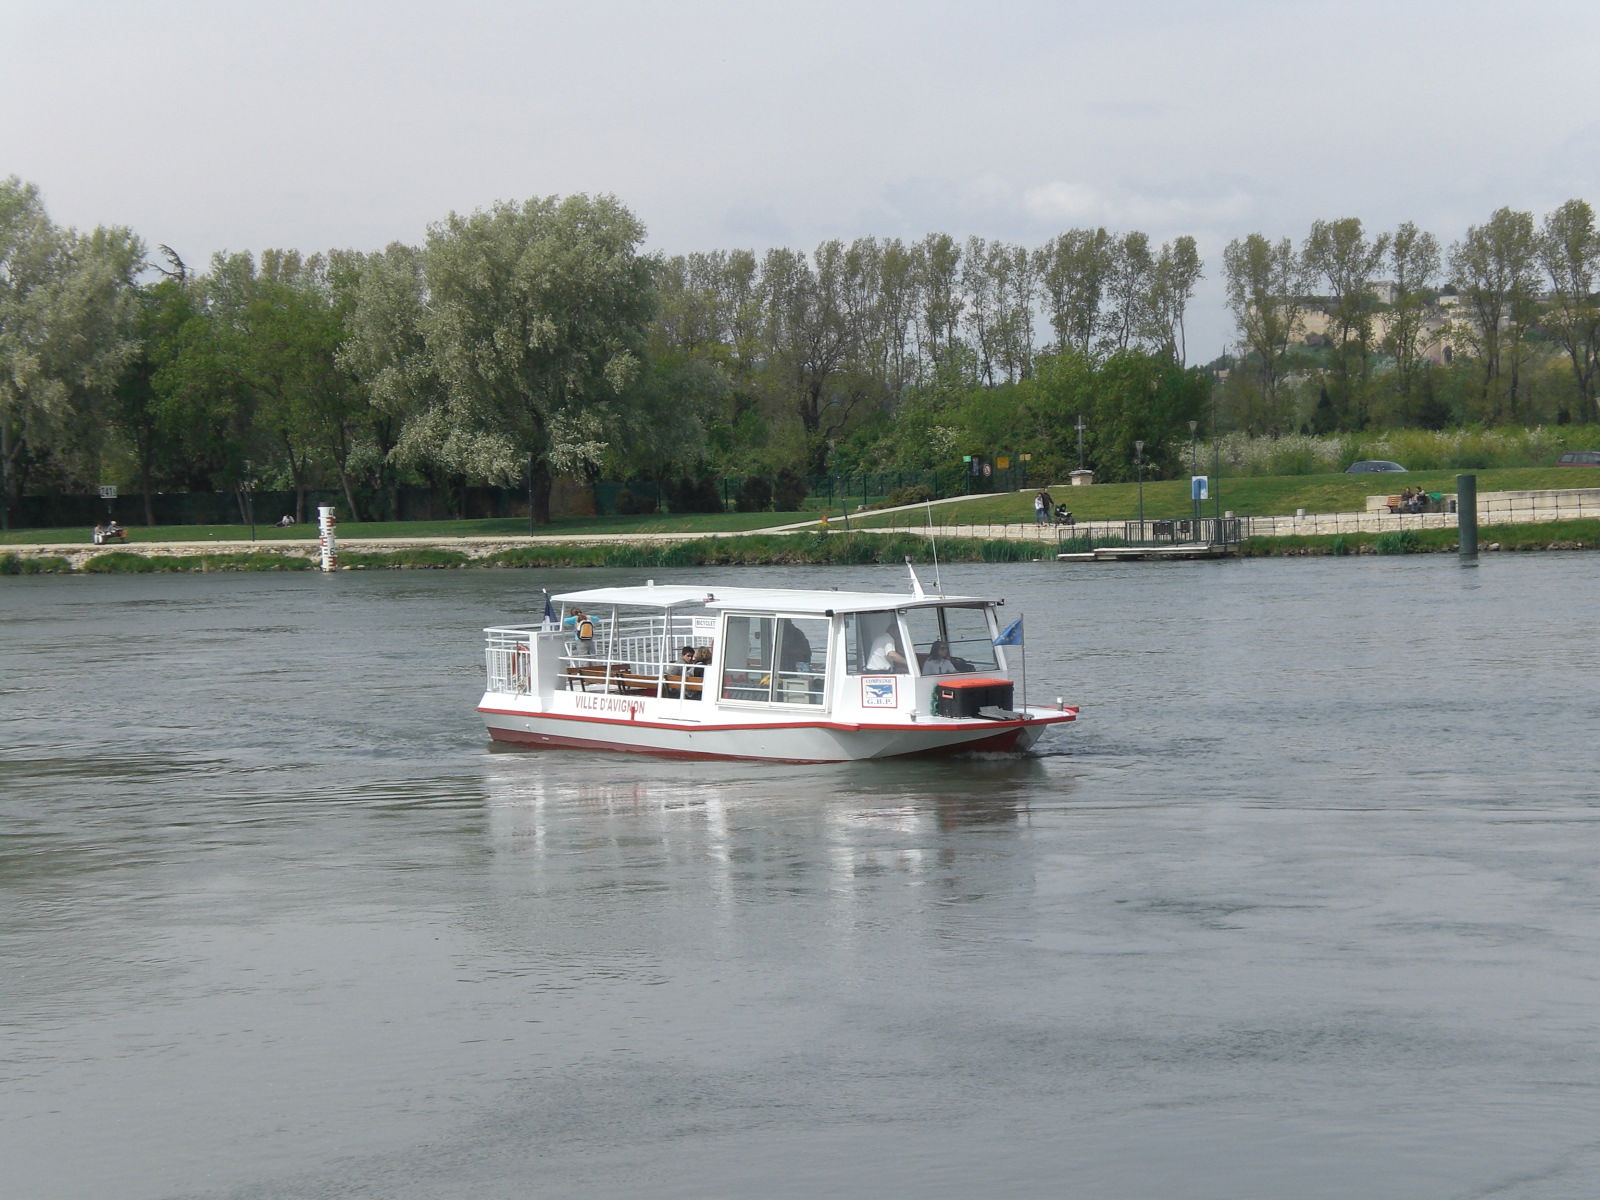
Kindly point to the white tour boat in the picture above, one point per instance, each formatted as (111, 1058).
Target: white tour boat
(790, 675)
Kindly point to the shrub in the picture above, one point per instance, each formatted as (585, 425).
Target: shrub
(694, 496)
(915, 494)
(16, 564)
(418, 557)
(789, 492)
(1399, 541)
(755, 494)
(630, 505)
(901, 497)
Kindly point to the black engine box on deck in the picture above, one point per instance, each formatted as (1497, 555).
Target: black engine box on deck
(963, 697)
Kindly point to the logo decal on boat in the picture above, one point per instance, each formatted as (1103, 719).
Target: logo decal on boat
(879, 691)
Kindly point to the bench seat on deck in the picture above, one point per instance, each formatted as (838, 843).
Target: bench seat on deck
(625, 679)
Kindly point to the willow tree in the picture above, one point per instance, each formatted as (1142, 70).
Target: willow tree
(385, 351)
(536, 323)
(66, 307)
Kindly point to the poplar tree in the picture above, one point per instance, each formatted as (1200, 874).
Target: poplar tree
(1493, 266)
(1569, 251)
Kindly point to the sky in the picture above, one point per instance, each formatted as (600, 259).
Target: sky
(228, 126)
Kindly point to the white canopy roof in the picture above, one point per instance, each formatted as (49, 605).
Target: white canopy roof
(792, 600)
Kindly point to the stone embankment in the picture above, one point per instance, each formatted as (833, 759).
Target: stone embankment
(77, 553)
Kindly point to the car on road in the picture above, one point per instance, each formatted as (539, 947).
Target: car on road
(1580, 458)
(1368, 465)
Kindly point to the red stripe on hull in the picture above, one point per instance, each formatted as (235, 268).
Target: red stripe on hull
(1069, 714)
(518, 737)
(1002, 741)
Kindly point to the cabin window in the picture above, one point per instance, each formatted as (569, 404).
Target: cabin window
(964, 630)
(874, 644)
(775, 660)
(971, 642)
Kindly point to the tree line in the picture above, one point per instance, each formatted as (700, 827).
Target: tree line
(1503, 326)
(533, 340)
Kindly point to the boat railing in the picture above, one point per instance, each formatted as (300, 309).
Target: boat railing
(508, 659)
(635, 654)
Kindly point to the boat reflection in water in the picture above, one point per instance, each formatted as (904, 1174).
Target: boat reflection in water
(819, 828)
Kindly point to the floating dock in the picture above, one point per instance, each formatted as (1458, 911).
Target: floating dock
(1153, 553)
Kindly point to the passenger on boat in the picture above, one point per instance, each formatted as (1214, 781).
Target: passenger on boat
(794, 652)
(885, 654)
(687, 667)
(938, 661)
(584, 628)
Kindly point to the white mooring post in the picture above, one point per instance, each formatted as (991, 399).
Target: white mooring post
(326, 540)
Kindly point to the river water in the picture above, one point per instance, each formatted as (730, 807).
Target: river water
(1305, 905)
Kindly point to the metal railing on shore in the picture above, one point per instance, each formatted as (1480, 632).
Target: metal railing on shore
(1514, 508)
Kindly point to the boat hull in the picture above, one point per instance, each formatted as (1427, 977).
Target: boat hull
(809, 741)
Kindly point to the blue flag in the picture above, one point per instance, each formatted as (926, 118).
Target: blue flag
(549, 612)
(1012, 636)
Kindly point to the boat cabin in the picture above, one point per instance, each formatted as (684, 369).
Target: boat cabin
(753, 649)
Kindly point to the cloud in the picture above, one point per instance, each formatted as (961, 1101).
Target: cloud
(1064, 202)
(1184, 208)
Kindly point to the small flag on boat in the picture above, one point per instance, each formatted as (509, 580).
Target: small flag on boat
(1012, 636)
(549, 612)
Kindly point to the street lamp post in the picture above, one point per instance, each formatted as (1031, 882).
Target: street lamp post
(1216, 464)
(1194, 469)
(1138, 459)
(250, 500)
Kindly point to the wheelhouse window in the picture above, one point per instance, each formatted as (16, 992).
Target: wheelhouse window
(775, 660)
(963, 630)
(874, 644)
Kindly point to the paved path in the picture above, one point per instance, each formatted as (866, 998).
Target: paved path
(1494, 508)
